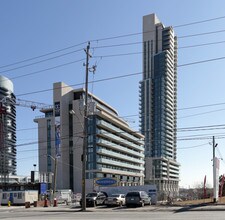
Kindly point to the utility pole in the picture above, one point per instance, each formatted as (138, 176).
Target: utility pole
(215, 191)
(84, 156)
(85, 133)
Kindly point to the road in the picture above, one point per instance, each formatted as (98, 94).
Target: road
(126, 214)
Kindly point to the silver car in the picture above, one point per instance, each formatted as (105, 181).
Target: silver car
(115, 200)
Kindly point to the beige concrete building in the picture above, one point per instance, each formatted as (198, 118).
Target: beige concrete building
(114, 150)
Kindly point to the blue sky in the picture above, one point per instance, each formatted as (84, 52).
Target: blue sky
(34, 28)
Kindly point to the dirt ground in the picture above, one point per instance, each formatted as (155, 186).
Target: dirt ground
(200, 201)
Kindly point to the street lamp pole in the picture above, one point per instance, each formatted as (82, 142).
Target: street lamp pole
(55, 177)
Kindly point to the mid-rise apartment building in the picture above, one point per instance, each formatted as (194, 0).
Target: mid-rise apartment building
(113, 149)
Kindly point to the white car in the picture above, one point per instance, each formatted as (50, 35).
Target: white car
(115, 200)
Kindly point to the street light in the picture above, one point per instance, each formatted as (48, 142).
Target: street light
(34, 167)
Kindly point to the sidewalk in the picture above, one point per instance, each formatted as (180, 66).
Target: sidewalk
(152, 208)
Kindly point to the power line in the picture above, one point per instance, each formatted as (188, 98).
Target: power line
(181, 129)
(202, 106)
(65, 64)
(43, 55)
(199, 22)
(196, 146)
(204, 126)
(51, 68)
(201, 138)
(79, 84)
(121, 54)
(201, 61)
(113, 55)
(40, 61)
(107, 79)
(143, 32)
(97, 40)
(187, 138)
(202, 129)
(200, 45)
(79, 135)
(101, 56)
(203, 113)
(200, 34)
(201, 135)
(218, 150)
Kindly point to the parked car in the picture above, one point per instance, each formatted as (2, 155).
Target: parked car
(95, 198)
(64, 196)
(115, 200)
(137, 198)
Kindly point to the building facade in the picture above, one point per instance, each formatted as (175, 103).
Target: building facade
(158, 105)
(7, 130)
(114, 150)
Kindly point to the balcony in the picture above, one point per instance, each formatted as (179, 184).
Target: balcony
(120, 172)
(119, 156)
(119, 148)
(119, 140)
(119, 131)
(119, 164)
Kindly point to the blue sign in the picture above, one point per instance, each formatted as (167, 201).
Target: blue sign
(106, 181)
(43, 188)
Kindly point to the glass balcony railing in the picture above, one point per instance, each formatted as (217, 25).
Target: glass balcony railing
(119, 131)
(122, 141)
(120, 164)
(119, 148)
(120, 156)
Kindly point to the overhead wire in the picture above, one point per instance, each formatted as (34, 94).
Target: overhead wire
(143, 32)
(202, 113)
(43, 55)
(114, 55)
(181, 129)
(110, 78)
(79, 135)
(40, 61)
(196, 146)
(97, 40)
(50, 68)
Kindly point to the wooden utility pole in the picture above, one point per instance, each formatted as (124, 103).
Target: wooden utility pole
(84, 156)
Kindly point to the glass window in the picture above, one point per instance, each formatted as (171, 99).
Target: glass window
(20, 195)
(4, 196)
